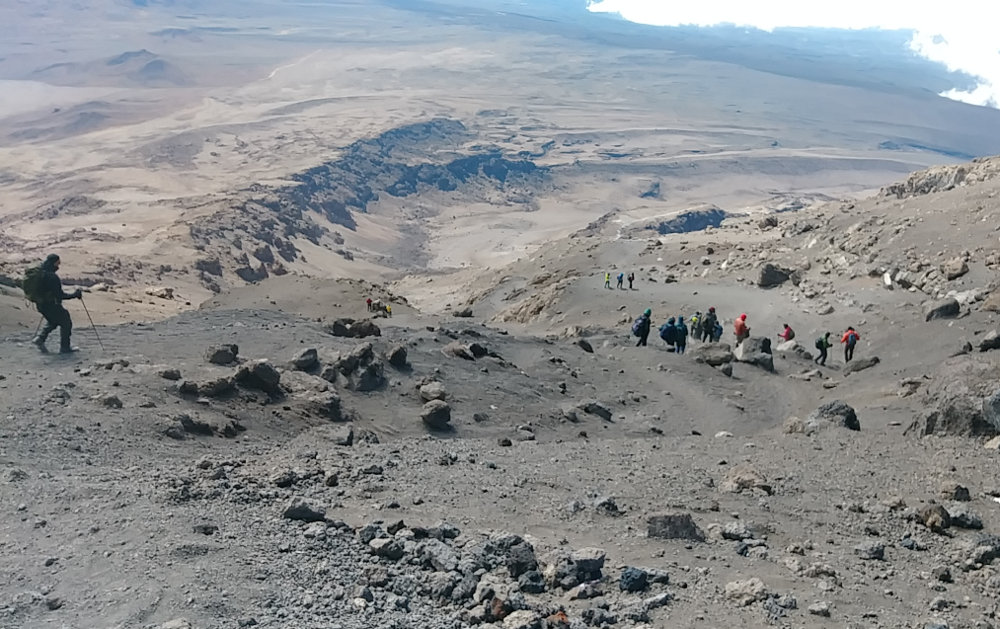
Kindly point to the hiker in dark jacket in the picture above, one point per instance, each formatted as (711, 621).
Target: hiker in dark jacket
(51, 296)
(680, 336)
(644, 325)
(823, 344)
(708, 323)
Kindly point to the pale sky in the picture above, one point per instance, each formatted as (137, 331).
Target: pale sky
(963, 34)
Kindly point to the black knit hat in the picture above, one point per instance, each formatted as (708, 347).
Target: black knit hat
(51, 260)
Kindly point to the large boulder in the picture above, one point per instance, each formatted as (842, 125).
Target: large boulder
(436, 414)
(947, 308)
(992, 303)
(795, 348)
(860, 364)
(990, 341)
(835, 413)
(224, 354)
(954, 268)
(260, 375)
(433, 391)
(755, 350)
(306, 360)
(397, 357)
(457, 349)
(358, 370)
(714, 354)
(772, 275)
(350, 328)
(674, 526)
(960, 399)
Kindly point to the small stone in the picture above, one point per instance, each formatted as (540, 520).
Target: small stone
(870, 551)
(674, 526)
(954, 491)
(205, 529)
(820, 609)
(746, 592)
(633, 580)
(304, 511)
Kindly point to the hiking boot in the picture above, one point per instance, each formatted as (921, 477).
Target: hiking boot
(39, 342)
(68, 349)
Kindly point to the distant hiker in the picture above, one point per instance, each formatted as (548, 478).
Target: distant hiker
(708, 323)
(43, 287)
(850, 339)
(822, 344)
(607, 280)
(740, 328)
(668, 333)
(787, 334)
(621, 278)
(631, 278)
(388, 311)
(369, 302)
(695, 320)
(717, 332)
(640, 327)
(680, 336)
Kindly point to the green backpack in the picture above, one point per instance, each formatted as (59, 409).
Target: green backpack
(33, 285)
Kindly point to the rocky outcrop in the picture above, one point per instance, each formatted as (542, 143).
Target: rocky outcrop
(772, 275)
(835, 413)
(954, 268)
(860, 364)
(224, 354)
(260, 375)
(942, 178)
(350, 328)
(755, 350)
(714, 354)
(947, 308)
(961, 399)
(358, 370)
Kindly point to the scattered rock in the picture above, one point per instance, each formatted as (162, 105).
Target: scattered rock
(349, 328)
(821, 608)
(222, 354)
(397, 357)
(714, 354)
(304, 511)
(744, 478)
(457, 349)
(170, 374)
(860, 364)
(746, 592)
(755, 350)
(306, 360)
(947, 308)
(835, 413)
(954, 491)
(464, 313)
(990, 341)
(436, 414)
(585, 345)
(935, 517)
(870, 551)
(674, 526)
(261, 376)
(954, 268)
(963, 518)
(772, 275)
(433, 391)
(633, 580)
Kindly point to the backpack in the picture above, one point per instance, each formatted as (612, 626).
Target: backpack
(820, 343)
(33, 285)
(637, 327)
(852, 339)
(668, 333)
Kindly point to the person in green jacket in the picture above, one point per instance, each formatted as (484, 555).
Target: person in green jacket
(822, 344)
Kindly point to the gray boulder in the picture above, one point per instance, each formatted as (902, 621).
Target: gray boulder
(947, 308)
(954, 268)
(963, 399)
(260, 375)
(835, 413)
(398, 357)
(714, 354)
(225, 354)
(350, 328)
(304, 511)
(306, 360)
(794, 347)
(860, 364)
(674, 526)
(436, 414)
(772, 275)
(433, 391)
(755, 350)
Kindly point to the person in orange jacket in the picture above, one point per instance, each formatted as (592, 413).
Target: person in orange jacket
(850, 339)
(741, 329)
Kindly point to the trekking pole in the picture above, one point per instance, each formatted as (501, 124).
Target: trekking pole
(39, 326)
(92, 324)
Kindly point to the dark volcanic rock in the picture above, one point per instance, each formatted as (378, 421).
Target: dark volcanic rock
(962, 399)
(398, 357)
(306, 360)
(222, 354)
(303, 511)
(836, 413)
(772, 275)
(860, 364)
(674, 526)
(948, 308)
(260, 375)
(350, 328)
(436, 414)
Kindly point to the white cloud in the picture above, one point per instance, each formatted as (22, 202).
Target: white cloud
(962, 35)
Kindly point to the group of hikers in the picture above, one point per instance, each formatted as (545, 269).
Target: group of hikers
(621, 279)
(377, 306)
(708, 329)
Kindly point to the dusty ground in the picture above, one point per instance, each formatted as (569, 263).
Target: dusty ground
(103, 500)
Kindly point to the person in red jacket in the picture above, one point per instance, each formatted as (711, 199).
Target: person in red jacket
(741, 329)
(787, 334)
(850, 339)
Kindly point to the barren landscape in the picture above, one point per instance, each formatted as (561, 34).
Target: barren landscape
(249, 445)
